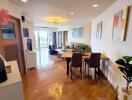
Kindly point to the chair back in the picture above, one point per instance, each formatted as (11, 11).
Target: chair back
(76, 59)
(95, 60)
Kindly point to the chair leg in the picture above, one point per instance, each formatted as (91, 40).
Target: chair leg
(99, 74)
(85, 66)
(81, 73)
(94, 73)
(88, 70)
(71, 72)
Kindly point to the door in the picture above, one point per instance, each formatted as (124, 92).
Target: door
(11, 46)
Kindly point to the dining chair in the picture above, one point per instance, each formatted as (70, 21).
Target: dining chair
(94, 62)
(76, 62)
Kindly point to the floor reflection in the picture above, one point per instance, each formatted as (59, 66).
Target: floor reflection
(43, 59)
(50, 82)
(56, 91)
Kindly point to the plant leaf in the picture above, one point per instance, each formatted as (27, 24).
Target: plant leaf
(127, 58)
(120, 62)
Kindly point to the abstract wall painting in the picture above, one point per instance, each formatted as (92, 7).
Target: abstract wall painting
(120, 25)
(99, 30)
(77, 33)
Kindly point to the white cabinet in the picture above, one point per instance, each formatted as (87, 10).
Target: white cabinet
(12, 88)
(30, 59)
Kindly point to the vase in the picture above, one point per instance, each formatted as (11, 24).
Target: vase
(127, 90)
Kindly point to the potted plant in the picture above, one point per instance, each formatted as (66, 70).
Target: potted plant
(84, 47)
(126, 69)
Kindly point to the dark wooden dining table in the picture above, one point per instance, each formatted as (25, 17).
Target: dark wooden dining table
(68, 57)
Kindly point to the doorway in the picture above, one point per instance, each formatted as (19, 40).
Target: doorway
(41, 39)
(11, 45)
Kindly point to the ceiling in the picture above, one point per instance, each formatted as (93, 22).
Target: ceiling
(37, 10)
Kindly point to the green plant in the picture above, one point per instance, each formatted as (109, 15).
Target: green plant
(126, 69)
(84, 47)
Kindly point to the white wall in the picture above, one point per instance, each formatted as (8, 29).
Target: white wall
(113, 49)
(31, 30)
(13, 10)
(16, 12)
(86, 35)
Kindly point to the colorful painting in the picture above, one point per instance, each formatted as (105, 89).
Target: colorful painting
(99, 30)
(120, 25)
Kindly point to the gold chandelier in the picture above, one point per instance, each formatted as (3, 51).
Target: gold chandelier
(56, 19)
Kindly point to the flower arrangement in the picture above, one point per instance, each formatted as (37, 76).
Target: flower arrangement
(4, 17)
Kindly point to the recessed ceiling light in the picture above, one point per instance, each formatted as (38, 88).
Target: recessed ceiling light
(95, 5)
(24, 0)
(72, 13)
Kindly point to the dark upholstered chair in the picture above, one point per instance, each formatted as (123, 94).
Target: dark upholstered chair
(94, 62)
(76, 62)
(52, 50)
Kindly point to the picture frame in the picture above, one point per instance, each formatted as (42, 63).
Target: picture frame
(8, 31)
(77, 32)
(25, 32)
(120, 24)
(99, 30)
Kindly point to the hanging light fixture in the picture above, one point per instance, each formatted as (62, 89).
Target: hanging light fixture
(56, 19)
(24, 1)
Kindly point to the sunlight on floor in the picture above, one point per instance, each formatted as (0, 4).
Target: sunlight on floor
(56, 91)
(43, 59)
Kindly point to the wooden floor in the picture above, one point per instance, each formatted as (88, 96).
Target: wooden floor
(51, 83)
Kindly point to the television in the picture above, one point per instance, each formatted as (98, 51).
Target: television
(29, 44)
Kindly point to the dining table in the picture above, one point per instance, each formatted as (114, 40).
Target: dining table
(68, 57)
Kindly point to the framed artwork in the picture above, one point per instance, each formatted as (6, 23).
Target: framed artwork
(25, 32)
(29, 44)
(120, 25)
(8, 31)
(99, 30)
(77, 33)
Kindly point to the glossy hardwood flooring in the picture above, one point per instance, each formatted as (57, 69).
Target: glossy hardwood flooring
(49, 82)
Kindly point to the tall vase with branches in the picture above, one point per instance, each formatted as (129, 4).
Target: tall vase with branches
(126, 68)
(4, 18)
